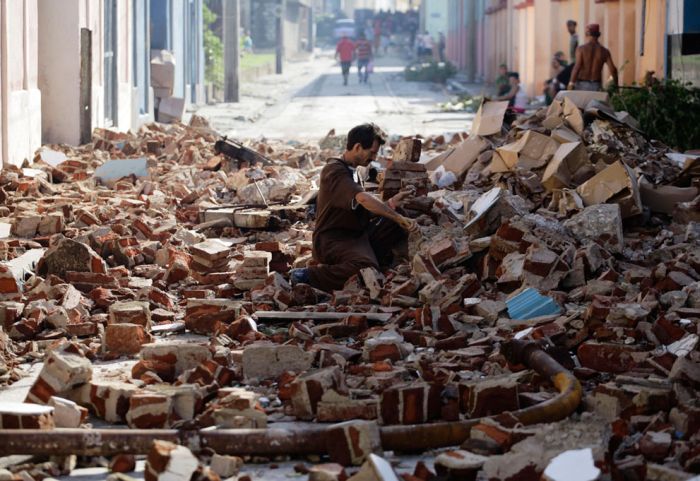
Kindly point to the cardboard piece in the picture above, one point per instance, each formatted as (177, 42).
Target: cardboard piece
(572, 116)
(691, 166)
(581, 97)
(113, 170)
(566, 201)
(489, 118)
(664, 198)
(569, 159)
(564, 134)
(459, 159)
(564, 113)
(162, 70)
(614, 184)
(532, 151)
(171, 109)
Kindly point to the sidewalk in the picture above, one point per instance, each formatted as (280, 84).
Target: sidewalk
(264, 93)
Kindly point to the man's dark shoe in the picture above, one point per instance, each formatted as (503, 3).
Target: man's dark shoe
(299, 276)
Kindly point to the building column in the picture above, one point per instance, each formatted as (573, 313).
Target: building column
(4, 160)
(230, 18)
(472, 34)
(628, 34)
(20, 98)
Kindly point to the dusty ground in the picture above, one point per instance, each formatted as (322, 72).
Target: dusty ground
(310, 99)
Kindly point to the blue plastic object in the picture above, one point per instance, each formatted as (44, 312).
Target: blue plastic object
(530, 303)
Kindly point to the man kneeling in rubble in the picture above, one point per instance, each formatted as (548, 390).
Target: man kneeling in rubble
(347, 237)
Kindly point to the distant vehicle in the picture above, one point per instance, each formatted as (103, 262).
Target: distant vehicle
(344, 27)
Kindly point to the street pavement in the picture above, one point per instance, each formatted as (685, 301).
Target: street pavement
(309, 99)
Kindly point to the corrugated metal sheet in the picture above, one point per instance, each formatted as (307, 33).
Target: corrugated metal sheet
(530, 303)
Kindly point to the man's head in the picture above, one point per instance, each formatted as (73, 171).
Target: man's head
(363, 144)
(571, 26)
(593, 30)
(503, 69)
(559, 55)
(514, 78)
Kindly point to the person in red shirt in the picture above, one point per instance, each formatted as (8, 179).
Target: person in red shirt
(364, 55)
(345, 50)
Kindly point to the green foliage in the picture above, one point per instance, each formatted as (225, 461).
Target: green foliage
(254, 60)
(667, 110)
(430, 71)
(463, 103)
(213, 50)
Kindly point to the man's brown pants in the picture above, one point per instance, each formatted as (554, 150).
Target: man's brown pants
(341, 256)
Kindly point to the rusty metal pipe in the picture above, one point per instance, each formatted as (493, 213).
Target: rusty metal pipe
(530, 353)
(437, 435)
(309, 440)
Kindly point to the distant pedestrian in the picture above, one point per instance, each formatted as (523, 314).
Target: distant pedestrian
(377, 34)
(363, 51)
(590, 59)
(344, 51)
(412, 27)
(558, 63)
(425, 45)
(247, 42)
(516, 96)
(369, 31)
(552, 86)
(573, 39)
(386, 41)
(502, 81)
(442, 42)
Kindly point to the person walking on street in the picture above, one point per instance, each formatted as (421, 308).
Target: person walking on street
(363, 51)
(344, 51)
(573, 39)
(354, 229)
(590, 58)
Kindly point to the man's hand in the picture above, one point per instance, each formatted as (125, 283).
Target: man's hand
(377, 207)
(571, 86)
(399, 199)
(409, 225)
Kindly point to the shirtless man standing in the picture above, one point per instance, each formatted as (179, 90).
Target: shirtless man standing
(590, 58)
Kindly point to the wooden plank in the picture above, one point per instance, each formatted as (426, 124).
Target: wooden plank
(319, 316)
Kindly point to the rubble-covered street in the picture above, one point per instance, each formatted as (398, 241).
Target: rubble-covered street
(349, 240)
(545, 320)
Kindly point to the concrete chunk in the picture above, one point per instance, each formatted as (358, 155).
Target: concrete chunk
(265, 361)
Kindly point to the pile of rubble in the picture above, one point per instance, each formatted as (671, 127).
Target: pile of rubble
(570, 233)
